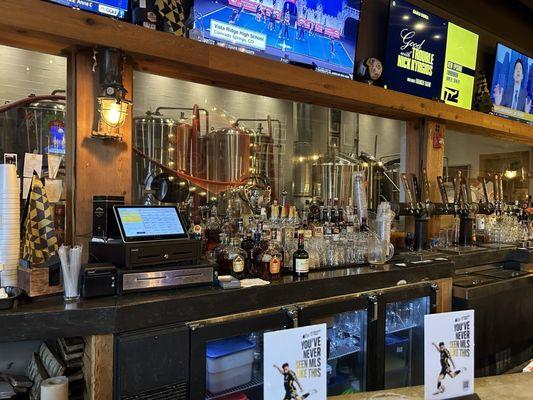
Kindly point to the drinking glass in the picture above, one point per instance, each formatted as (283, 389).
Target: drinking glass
(379, 251)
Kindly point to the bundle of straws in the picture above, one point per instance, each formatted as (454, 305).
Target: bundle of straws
(70, 268)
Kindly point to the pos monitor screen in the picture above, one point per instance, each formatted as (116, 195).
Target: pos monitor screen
(512, 85)
(144, 223)
(319, 34)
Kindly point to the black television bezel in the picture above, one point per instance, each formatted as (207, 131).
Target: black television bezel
(306, 65)
(508, 117)
(127, 14)
(136, 239)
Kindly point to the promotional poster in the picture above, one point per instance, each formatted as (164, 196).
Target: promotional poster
(319, 34)
(512, 84)
(416, 44)
(459, 67)
(449, 355)
(295, 364)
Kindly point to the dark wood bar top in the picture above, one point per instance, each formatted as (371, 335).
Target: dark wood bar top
(51, 317)
(510, 387)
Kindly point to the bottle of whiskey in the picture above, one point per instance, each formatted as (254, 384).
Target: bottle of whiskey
(254, 266)
(212, 232)
(232, 260)
(300, 259)
(271, 263)
(247, 245)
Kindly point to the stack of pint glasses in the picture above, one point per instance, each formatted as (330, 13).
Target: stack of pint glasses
(9, 225)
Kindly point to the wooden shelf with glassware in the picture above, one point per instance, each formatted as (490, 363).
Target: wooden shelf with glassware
(51, 28)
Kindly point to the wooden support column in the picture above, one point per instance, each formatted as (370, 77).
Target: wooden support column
(422, 151)
(98, 367)
(413, 138)
(101, 167)
(433, 161)
(444, 296)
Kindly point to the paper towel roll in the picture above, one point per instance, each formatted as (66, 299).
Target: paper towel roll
(8, 179)
(55, 388)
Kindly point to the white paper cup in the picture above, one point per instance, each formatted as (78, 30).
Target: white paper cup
(8, 179)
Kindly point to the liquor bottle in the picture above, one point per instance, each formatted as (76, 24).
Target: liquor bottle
(247, 245)
(232, 260)
(277, 243)
(300, 259)
(255, 257)
(271, 263)
(364, 226)
(212, 232)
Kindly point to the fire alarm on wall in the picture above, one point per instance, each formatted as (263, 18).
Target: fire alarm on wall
(438, 137)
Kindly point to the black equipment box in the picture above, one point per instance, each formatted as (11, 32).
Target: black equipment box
(178, 252)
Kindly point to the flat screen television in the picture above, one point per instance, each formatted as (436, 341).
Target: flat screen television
(318, 34)
(110, 8)
(512, 84)
(428, 56)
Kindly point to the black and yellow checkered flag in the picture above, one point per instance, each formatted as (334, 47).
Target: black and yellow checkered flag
(173, 14)
(40, 241)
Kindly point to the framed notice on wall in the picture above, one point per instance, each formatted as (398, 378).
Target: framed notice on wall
(295, 363)
(449, 355)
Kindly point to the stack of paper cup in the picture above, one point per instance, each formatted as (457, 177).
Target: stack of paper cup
(9, 224)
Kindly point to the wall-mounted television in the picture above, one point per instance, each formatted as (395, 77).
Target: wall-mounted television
(428, 56)
(512, 84)
(110, 8)
(318, 34)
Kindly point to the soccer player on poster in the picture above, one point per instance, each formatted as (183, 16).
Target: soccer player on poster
(445, 367)
(289, 379)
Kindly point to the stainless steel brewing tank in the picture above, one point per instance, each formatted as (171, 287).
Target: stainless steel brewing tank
(227, 156)
(334, 179)
(155, 136)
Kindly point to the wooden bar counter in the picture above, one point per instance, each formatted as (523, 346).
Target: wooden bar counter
(508, 387)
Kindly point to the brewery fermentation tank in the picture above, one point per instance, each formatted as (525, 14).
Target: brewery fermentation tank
(333, 179)
(227, 154)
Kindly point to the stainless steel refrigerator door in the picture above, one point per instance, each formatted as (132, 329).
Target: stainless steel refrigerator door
(347, 321)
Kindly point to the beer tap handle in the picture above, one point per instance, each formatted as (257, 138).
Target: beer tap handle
(500, 187)
(442, 189)
(416, 188)
(468, 191)
(496, 188)
(425, 182)
(485, 191)
(456, 190)
(408, 192)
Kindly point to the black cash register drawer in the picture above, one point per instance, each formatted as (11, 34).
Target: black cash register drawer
(161, 253)
(146, 254)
